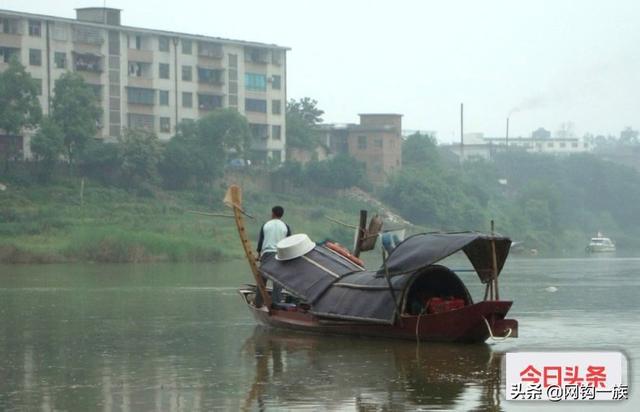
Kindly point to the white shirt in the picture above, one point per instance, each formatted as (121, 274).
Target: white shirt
(272, 232)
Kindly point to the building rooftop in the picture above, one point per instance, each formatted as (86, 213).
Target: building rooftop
(139, 29)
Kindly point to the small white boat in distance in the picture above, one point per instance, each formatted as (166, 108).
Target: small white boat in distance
(600, 244)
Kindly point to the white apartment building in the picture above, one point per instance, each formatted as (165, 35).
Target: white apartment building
(153, 79)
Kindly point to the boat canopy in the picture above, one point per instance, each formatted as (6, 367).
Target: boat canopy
(420, 251)
(338, 288)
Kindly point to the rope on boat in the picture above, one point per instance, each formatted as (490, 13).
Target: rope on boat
(496, 338)
(418, 325)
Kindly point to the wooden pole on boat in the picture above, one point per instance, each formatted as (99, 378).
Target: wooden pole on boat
(233, 199)
(494, 289)
(362, 229)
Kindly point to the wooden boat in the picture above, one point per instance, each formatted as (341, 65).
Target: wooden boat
(410, 297)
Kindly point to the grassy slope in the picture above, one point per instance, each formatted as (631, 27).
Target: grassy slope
(47, 223)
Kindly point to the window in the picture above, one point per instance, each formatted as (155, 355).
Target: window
(233, 88)
(163, 44)
(276, 155)
(60, 60)
(137, 95)
(574, 144)
(276, 82)
(276, 57)
(362, 142)
(276, 132)
(140, 121)
(138, 42)
(164, 71)
(256, 55)
(259, 131)
(378, 143)
(233, 100)
(164, 97)
(233, 60)
(35, 57)
(187, 46)
(550, 144)
(88, 35)
(7, 53)
(210, 76)
(563, 145)
(209, 101)
(253, 81)
(187, 73)
(276, 107)
(255, 105)
(38, 83)
(187, 99)
(9, 26)
(165, 125)
(210, 50)
(35, 28)
(233, 75)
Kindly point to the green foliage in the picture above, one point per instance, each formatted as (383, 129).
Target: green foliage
(547, 202)
(75, 110)
(302, 118)
(196, 155)
(100, 161)
(19, 105)
(340, 172)
(47, 145)
(420, 150)
(139, 153)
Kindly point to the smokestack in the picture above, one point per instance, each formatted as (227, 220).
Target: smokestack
(507, 135)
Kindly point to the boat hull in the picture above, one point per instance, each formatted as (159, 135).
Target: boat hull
(472, 323)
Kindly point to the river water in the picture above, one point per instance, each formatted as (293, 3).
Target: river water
(176, 337)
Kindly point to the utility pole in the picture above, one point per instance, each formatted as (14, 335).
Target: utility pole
(461, 132)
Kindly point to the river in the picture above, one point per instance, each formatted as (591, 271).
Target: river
(176, 337)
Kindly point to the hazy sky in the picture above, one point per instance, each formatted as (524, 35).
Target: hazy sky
(550, 61)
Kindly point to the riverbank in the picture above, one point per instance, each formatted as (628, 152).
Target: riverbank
(51, 224)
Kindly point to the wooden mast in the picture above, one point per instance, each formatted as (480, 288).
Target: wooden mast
(233, 199)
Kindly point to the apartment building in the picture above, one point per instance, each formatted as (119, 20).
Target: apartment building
(153, 79)
(376, 141)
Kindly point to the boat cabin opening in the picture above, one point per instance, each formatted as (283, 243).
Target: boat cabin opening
(435, 289)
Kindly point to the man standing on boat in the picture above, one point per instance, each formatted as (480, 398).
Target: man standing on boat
(270, 234)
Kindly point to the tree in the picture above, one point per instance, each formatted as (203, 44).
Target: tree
(629, 136)
(302, 118)
(47, 145)
(19, 105)
(198, 151)
(139, 153)
(75, 110)
(340, 172)
(420, 150)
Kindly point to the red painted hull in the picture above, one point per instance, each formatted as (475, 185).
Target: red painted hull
(461, 325)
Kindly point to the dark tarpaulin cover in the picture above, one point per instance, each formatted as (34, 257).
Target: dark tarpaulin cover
(361, 296)
(309, 276)
(420, 251)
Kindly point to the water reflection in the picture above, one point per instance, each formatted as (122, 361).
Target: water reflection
(304, 370)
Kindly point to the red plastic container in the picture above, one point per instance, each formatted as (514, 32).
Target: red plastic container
(439, 305)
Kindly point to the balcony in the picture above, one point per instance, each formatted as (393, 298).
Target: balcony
(207, 102)
(87, 62)
(255, 55)
(214, 77)
(210, 50)
(143, 56)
